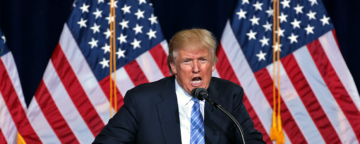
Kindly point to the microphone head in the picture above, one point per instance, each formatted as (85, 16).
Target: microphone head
(197, 93)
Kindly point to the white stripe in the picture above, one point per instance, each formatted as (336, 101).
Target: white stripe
(165, 46)
(11, 69)
(84, 74)
(66, 106)
(40, 124)
(324, 96)
(296, 107)
(7, 124)
(149, 67)
(215, 74)
(123, 81)
(246, 77)
(337, 61)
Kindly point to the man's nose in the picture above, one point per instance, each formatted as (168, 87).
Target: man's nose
(196, 67)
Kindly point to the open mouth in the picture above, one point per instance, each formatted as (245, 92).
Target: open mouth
(196, 81)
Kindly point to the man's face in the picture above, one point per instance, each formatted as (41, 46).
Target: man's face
(193, 67)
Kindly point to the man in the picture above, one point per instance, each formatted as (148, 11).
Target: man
(164, 112)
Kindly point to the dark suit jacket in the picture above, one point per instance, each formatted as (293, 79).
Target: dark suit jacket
(150, 115)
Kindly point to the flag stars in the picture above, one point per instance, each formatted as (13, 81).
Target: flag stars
(120, 53)
(107, 33)
(82, 23)
(285, 3)
(95, 28)
(142, 1)
(311, 15)
(3, 37)
(267, 26)
(293, 38)
(136, 43)
(277, 47)
(281, 32)
(100, 1)
(296, 24)
(106, 48)
(124, 24)
(110, 18)
(104, 63)
(126, 9)
(152, 19)
(261, 56)
(258, 6)
(241, 14)
(270, 12)
(254, 20)
(298, 9)
(151, 34)
(325, 20)
(122, 38)
(251, 35)
(93, 43)
(97, 13)
(245, 1)
(137, 29)
(313, 2)
(139, 14)
(113, 4)
(283, 17)
(264, 41)
(309, 29)
(84, 8)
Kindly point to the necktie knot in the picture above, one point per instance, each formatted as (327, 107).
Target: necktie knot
(197, 124)
(195, 100)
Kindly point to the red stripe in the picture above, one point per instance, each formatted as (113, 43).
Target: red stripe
(135, 73)
(160, 58)
(334, 34)
(226, 72)
(309, 100)
(76, 92)
(335, 86)
(15, 108)
(292, 130)
(105, 86)
(53, 115)
(2, 138)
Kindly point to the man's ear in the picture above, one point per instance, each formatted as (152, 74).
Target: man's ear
(173, 67)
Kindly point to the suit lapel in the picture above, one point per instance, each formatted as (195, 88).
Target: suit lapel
(169, 113)
(213, 118)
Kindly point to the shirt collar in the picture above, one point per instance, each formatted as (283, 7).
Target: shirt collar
(183, 97)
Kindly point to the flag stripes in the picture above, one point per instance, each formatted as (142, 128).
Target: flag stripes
(336, 87)
(65, 105)
(288, 121)
(105, 86)
(304, 92)
(13, 103)
(8, 130)
(322, 92)
(53, 115)
(76, 91)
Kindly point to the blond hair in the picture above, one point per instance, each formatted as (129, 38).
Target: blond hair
(201, 37)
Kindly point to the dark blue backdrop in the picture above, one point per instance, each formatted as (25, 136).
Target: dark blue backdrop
(33, 28)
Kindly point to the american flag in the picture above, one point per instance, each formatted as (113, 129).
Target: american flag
(12, 103)
(319, 100)
(71, 104)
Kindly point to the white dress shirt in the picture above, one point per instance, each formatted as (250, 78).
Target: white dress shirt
(185, 105)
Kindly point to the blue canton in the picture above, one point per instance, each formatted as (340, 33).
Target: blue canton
(301, 22)
(137, 31)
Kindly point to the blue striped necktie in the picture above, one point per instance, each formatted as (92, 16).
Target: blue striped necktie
(197, 124)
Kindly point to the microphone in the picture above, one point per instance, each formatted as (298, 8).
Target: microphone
(201, 94)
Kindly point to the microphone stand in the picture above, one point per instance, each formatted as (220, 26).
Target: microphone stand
(217, 106)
